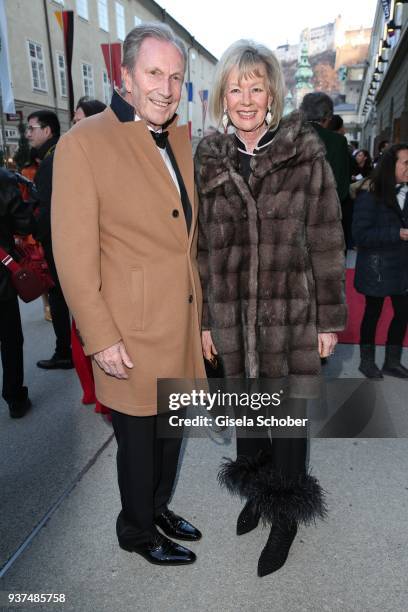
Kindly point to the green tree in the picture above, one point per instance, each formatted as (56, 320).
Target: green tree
(22, 155)
(1, 158)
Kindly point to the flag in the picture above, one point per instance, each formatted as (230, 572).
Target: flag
(204, 102)
(66, 22)
(112, 55)
(5, 72)
(189, 87)
(386, 8)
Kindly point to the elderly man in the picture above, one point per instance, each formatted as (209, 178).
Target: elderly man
(123, 222)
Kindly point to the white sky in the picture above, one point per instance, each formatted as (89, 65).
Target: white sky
(217, 23)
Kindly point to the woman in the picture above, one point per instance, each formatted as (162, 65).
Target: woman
(364, 165)
(83, 366)
(380, 232)
(272, 266)
(85, 108)
(29, 171)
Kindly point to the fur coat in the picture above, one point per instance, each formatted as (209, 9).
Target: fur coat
(271, 252)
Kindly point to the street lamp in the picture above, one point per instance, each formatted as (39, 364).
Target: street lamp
(392, 26)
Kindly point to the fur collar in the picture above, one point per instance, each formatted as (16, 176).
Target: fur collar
(295, 142)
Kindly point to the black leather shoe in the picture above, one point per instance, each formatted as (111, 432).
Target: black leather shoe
(177, 527)
(56, 363)
(162, 551)
(248, 519)
(18, 409)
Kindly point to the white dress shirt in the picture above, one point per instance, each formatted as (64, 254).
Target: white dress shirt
(401, 195)
(165, 157)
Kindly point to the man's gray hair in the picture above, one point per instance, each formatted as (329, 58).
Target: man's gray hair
(135, 38)
(317, 106)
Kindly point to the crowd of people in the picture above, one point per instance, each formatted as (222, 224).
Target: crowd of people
(148, 279)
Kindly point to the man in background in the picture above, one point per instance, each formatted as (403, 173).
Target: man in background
(43, 132)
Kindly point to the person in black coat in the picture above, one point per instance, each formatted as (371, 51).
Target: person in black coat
(380, 231)
(43, 132)
(15, 218)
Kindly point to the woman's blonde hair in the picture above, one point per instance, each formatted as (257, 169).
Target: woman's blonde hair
(247, 55)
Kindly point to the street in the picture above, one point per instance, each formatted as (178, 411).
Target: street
(59, 501)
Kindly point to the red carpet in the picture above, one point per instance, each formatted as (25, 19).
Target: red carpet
(356, 303)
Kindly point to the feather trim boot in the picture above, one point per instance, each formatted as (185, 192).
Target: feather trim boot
(277, 500)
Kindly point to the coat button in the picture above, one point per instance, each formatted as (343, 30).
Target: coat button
(190, 298)
(175, 213)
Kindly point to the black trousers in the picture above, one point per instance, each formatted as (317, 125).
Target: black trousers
(288, 455)
(147, 468)
(59, 310)
(372, 313)
(11, 338)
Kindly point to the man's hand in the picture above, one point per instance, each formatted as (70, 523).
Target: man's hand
(327, 343)
(404, 233)
(209, 350)
(113, 359)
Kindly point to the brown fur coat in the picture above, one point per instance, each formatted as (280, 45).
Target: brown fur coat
(271, 252)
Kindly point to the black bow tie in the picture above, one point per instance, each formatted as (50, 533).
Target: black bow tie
(160, 138)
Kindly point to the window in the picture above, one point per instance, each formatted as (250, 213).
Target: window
(36, 59)
(138, 21)
(11, 133)
(87, 80)
(106, 88)
(103, 15)
(82, 8)
(120, 20)
(62, 74)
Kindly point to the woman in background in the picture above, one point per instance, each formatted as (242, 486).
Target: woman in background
(83, 365)
(380, 231)
(364, 165)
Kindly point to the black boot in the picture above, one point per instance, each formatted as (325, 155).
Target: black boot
(248, 519)
(367, 362)
(299, 499)
(276, 550)
(392, 364)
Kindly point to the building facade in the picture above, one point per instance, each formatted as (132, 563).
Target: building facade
(383, 103)
(38, 64)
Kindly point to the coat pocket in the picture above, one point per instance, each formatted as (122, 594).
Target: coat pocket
(137, 298)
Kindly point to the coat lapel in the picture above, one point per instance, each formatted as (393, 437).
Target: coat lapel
(181, 147)
(141, 143)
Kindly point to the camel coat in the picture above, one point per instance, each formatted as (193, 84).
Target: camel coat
(125, 261)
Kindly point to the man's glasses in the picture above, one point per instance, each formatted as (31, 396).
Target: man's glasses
(31, 128)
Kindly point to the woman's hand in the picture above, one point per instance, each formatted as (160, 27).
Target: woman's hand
(327, 344)
(209, 350)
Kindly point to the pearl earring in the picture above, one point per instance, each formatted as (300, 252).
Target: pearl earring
(268, 117)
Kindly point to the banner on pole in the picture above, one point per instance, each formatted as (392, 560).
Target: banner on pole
(189, 87)
(66, 22)
(112, 54)
(5, 72)
(204, 103)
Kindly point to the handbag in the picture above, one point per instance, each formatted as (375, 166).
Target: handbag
(29, 272)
